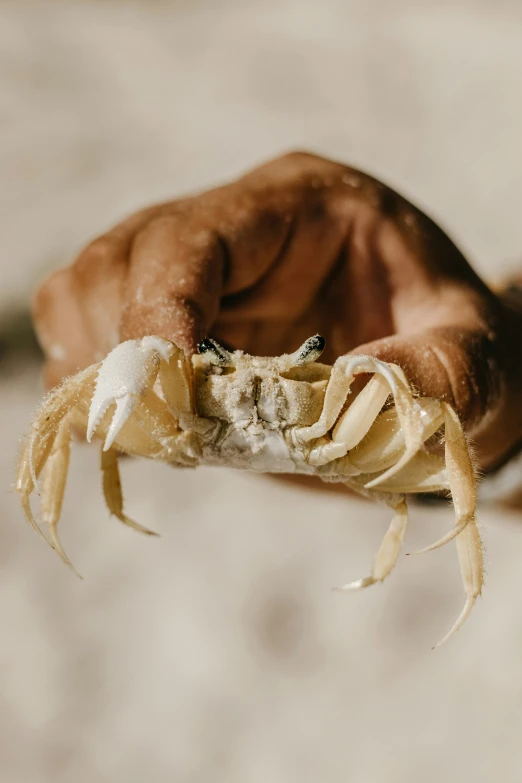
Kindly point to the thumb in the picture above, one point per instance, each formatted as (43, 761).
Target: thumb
(452, 364)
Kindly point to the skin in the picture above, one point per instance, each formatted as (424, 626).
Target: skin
(298, 246)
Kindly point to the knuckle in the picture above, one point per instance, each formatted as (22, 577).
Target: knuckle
(387, 201)
(379, 199)
(101, 254)
(295, 166)
(163, 229)
(300, 157)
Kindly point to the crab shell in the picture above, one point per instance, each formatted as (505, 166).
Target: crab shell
(287, 414)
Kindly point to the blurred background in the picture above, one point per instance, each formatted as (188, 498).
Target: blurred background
(218, 652)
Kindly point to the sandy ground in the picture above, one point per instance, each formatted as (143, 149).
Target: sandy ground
(218, 652)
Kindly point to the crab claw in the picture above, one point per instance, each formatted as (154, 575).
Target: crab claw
(126, 375)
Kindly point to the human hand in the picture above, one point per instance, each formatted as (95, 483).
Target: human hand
(298, 246)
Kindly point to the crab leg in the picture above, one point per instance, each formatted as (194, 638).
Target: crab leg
(354, 422)
(132, 439)
(174, 377)
(343, 373)
(53, 488)
(463, 490)
(43, 435)
(53, 411)
(426, 472)
(334, 399)
(154, 418)
(388, 551)
(408, 412)
(29, 470)
(384, 444)
(112, 491)
(461, 477)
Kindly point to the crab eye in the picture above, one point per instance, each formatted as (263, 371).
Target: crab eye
(309, 351)
(215, 353)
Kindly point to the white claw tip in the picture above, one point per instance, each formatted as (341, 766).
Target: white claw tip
(124, 407)
(359, 584)
(163, 347)
(461, 619)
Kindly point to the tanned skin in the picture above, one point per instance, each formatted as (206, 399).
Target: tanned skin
(298, 246)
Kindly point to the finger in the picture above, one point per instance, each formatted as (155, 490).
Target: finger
(174, 282)
(182, 264)
(98, 276)
(76, 310)
(253, 246)
(60, 327)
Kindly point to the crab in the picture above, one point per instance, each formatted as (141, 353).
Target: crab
(356, 422)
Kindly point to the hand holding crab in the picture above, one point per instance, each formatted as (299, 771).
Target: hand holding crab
(298, 246)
